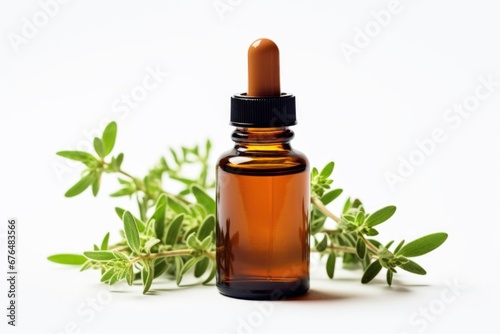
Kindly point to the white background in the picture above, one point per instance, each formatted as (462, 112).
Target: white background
(365, 114)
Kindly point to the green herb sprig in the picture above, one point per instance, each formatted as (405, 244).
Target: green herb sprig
(174, 234)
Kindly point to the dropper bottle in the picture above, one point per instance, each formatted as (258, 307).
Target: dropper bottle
(263, 191)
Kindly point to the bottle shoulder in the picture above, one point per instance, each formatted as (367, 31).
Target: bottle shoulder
(263, 162)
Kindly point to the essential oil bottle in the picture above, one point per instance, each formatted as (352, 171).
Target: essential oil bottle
(263, 191)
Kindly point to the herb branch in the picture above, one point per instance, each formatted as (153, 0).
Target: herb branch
(174, 234)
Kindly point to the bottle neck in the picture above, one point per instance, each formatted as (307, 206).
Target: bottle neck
(263, 139)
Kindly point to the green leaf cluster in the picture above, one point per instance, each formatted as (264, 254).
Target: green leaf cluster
(91, 176)
(173, 240)
(352, 239)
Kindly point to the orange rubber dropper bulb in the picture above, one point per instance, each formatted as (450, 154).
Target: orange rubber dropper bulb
(263, 69)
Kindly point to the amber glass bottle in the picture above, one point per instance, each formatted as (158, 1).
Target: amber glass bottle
(263, 200)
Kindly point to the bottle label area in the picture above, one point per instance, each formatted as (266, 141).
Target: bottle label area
(262, 227)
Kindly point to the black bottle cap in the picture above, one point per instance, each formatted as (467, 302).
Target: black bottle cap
(263, 112)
